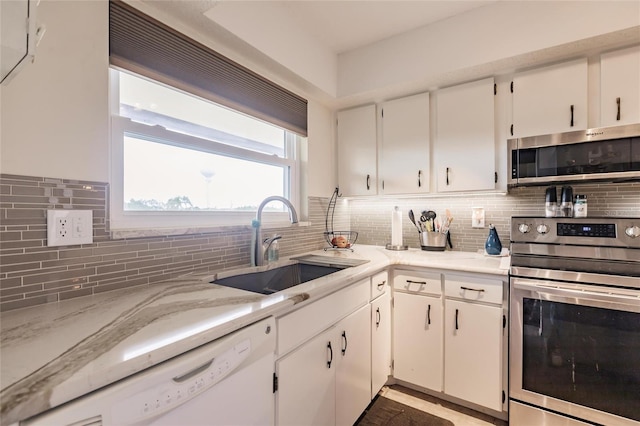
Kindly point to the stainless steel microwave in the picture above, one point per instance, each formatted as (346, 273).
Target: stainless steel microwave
(601, 154)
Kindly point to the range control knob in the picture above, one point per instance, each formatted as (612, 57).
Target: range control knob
(633, 231)
(542, 229)
(524, 228)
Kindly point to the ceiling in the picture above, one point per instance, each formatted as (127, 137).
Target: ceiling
(346, 25)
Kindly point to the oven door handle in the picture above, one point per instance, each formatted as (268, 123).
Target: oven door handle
(629, 301)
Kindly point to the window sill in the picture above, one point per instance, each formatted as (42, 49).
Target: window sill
(120, 234)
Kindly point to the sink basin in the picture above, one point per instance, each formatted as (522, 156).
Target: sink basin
(273, 280)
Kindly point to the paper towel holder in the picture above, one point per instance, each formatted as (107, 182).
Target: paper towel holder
(396, 227)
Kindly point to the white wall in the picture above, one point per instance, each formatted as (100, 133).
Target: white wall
(272, 29)
(490, 39)
(55, 111)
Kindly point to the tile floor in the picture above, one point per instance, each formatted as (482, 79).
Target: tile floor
(460, 416)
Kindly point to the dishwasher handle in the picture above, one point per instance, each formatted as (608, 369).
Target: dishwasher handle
(186, 376)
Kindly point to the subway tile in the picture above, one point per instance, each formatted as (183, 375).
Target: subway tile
(20, 290)
(18, 268)
(10, 282)
(24, 303)
(101, 288)
(72, 294)
(73, 283)
(56, 276)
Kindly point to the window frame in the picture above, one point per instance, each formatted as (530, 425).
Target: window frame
(181, 222)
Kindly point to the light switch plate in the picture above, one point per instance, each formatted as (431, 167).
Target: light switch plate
(477, 217)
(69, 227)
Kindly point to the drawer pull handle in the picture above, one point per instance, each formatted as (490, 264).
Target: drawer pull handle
(344, 340)
(381, 285)
(330, 355)
(378, 317)
(181, 378)
(456, 319)
(571, 124)
(480, 290)
(409, 282)
(428, 314)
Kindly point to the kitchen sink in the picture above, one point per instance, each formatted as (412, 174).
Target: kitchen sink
(273, 280)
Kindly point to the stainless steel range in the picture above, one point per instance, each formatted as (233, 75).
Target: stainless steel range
(575, 321)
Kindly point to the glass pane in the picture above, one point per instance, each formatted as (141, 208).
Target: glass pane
(152, 103)
(583, 354)
(164, 177)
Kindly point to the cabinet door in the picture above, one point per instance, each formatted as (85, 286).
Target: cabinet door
(357, 168)
(464, 148)
(353, 366)
(417, 340)
(550, 99)
(306, 383)
(404, 149)
(473, 353)
(380, 342)
(620, 87)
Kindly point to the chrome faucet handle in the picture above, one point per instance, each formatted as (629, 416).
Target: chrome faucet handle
(267, 241)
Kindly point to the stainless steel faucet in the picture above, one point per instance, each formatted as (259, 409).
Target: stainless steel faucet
(261, 244)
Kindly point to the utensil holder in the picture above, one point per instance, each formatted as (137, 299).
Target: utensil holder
(433, 241)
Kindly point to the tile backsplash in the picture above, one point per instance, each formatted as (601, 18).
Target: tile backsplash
(371, 217)
(32, 273)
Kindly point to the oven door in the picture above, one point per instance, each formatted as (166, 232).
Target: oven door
(575, 349)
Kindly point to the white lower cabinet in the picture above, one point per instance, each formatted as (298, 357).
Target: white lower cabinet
(452, 342)
(380, 342)
(327, 381)
(417, 344)
(473, 353)
(353, 367)
(306, 384)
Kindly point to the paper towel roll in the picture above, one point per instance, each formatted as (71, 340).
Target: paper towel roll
(396, 226)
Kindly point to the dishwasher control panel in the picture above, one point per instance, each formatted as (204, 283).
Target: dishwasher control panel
(159, 399)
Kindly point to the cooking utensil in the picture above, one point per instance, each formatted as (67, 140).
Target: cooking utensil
(429, 216)
(413, 220)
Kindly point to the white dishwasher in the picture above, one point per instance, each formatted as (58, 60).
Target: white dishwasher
(226, 382)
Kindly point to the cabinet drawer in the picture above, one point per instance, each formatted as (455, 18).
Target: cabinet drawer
(379, 284)
(473, 289)
(418, 282)
(306, 322)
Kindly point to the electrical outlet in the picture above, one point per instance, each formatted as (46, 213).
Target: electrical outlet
(477, 217)
(69, 227)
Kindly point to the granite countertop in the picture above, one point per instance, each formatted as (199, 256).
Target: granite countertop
(53, 353)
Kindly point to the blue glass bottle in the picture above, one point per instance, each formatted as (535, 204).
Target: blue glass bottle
(493, 246)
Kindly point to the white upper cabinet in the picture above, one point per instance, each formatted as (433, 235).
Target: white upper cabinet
(357, 160)
(620, 87)
(464, 146)
(550, 100)
(404, 149)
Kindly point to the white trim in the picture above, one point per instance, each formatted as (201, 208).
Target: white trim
(127, 223)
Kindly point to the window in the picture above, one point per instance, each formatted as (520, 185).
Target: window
(179, 160)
